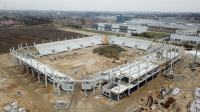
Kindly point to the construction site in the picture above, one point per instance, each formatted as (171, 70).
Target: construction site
(98, 73)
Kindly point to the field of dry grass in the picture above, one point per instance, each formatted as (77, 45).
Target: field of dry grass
(10, 37)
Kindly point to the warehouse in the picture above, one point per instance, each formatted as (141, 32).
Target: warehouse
(189, 32)
(121, 28)
(185, 38)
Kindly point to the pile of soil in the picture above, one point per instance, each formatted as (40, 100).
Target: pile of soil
(109, 51)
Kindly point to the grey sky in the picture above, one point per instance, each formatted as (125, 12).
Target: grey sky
(105, 5)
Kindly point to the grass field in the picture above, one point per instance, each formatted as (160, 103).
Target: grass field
(154, 35)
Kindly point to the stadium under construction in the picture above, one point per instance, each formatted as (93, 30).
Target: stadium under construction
(113, 82)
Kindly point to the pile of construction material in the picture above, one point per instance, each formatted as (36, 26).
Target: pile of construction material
(14, 107)
(195, 107)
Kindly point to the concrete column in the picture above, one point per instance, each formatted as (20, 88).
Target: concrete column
(58, 88)
(138, 78)
(39, 77)
(21, 65)
(100, 85)
(54, 86)
(32, 70)
(26, 45)
(45, 80)
(138, 84)
(45, 76)
(109, 75)
(18, 46)
(27, 69)
(129, 80)
(146, 79)
(10, 50)
(85, 90)
(152, 75)
(118, 91)
(94, 84)
(68, 83)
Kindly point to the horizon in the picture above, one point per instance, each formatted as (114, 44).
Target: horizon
(38, 10)
(160, 6)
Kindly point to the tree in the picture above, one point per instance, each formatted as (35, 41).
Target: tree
(83, 21)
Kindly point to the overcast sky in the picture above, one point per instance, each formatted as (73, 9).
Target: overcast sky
(104, 5)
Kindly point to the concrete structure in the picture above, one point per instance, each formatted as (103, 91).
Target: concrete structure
(195, 107)
(121, 80)
(128, 78)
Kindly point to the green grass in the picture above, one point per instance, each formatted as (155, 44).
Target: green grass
(154, 35)
(109, 51)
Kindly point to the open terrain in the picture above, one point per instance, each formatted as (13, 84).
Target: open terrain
(11, 37)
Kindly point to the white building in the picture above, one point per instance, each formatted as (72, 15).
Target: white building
(166, 23)
(123, 28)
(189, 32)
(185, 38)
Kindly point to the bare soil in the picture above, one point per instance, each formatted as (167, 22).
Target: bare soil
(83, 62)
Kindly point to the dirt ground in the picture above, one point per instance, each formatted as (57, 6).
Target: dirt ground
(76, 31)
(36, 97)
(83, 62)
(35, 94)
(11, 37)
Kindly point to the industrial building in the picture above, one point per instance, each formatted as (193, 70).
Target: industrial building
(165, 23)
(188, 32)
(115, 82)
(185, 39)
(121, 28)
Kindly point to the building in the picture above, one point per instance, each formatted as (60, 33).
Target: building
(121, 28)
(122, 18)
(185, 38)
(189, 32)
(165, 23)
